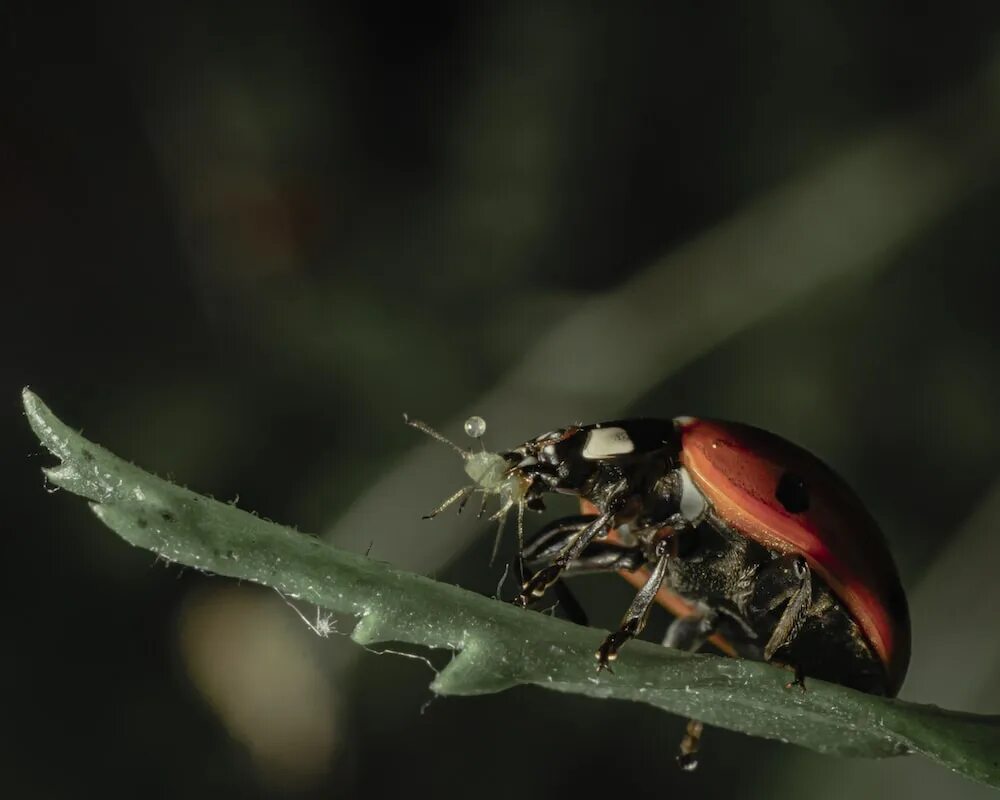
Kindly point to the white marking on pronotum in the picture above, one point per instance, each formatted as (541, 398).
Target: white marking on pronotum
(607, 442)
(693, 503)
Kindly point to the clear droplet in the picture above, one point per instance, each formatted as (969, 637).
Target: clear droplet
(475, 427)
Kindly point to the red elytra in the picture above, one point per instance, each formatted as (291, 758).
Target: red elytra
(737, 468)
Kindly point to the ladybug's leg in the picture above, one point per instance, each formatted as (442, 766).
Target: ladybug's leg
(689, 633)
(536, 585)
(687, 758)
(545, 546)
(635, 618)
(797, 594)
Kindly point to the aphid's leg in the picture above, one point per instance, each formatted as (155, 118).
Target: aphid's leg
(465, 501)
(798, 594)
(423, 426)
(544, 578)
(502, 515)
(482, 506)
(462, 494)
(635, 618)
(545, 546)
(520, 542)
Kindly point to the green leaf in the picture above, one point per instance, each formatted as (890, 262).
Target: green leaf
(497, 645)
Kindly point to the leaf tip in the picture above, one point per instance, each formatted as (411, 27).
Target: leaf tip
(34, 408)
(49, 429)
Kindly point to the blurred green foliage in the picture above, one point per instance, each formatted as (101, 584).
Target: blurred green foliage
(241, 244)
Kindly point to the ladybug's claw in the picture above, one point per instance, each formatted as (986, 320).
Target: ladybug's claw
(536, 585)
(687, 762)
(608, 651)
(635, 618)
(799, 679)
(687, 758)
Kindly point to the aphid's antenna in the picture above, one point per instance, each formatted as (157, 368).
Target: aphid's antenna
(423, 426)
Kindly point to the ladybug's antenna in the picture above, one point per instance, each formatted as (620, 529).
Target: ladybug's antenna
(423, 426)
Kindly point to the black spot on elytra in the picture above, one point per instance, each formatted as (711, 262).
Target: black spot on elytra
(792, 493)
(167, 516)
(141, 522)
(87, 455)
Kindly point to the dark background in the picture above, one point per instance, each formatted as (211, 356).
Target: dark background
(241, 240)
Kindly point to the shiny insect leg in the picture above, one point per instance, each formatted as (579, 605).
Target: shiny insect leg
(690, 633)
(600, 556)
(575, 545)
(792, 576)
(462, 495)
(638, 613)
(687, 758)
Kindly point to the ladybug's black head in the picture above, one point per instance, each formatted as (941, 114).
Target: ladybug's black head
(553, 462)
(583, 459)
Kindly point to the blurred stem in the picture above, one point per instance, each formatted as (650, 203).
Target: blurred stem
(498, 646)
(849, 215)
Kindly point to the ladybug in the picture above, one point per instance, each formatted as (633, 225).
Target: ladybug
(749, 539)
